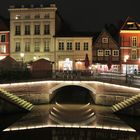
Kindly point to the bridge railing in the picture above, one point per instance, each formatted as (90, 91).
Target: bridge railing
(75, 75)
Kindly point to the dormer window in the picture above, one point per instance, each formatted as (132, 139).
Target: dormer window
(104, 40)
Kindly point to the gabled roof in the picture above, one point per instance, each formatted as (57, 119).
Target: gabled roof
(130, 24)
(105, 31)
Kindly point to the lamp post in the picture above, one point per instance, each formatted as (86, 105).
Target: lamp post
(125, 60)
(22, 56)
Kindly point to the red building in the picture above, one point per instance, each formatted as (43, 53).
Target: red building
(4, 39)
(130, 46)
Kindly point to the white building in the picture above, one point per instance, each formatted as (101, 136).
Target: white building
(33, 35)
(31, 32)
(70, 52)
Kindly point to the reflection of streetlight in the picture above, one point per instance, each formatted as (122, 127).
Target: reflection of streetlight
(125, 60)
(22, 56)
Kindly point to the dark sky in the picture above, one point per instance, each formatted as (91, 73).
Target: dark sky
(89, 15)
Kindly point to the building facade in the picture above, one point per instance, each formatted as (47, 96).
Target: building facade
(70, 52)
(130, 46)
(31, 32)
(4, 40)
(106, 53)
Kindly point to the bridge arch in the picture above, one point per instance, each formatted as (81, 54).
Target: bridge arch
(53, 91)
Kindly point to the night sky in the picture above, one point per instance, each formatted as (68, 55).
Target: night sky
(86, 15)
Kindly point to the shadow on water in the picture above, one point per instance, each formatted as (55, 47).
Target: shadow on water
(132, 121)
(8, 119)
(72, 95)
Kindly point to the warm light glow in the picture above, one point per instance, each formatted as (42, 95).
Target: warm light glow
(22, 55)
(34, 58)
(126, 58)
(130, 31)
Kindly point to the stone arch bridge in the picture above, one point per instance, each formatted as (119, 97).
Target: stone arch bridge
(39, 92)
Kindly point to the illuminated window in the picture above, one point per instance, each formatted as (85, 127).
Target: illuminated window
(134, 54)
(107, 52)
(85, 46)
(17, 30)
(37, 29)
(17, 47)
(100, 52)
(46, 29)
(61, 46)
(134, 41)
(77, 46)
(3, 38)
(3, 48)
(27, 29)
(104, 40)
(37, 47)
(46, 46)
(69, 46)
(18, 17)
(115, 52)
(27, 46)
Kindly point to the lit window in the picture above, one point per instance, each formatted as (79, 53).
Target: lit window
(61, 46)
(100, 52)
(18, 17)
(3, 48)
(104, 40)
(115, 52)
(134, 41)
(69, 46)
(107, 52)
(85, 46)
(77, 46)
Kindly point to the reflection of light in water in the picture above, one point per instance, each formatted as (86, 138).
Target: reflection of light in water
(64, 115)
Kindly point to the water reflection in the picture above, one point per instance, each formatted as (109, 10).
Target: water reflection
(62, 114)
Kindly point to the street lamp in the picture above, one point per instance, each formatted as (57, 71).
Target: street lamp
(125, 60)
(22, 56)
